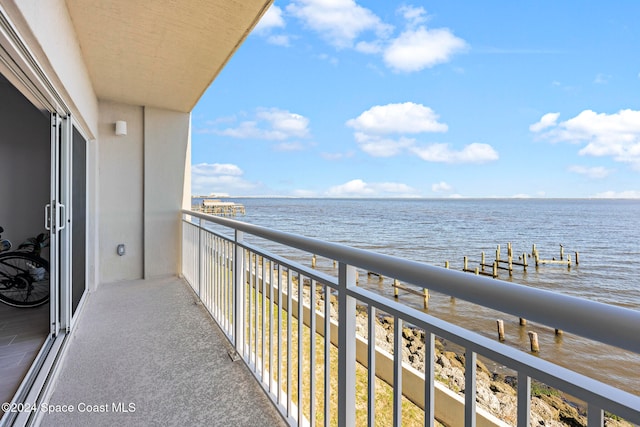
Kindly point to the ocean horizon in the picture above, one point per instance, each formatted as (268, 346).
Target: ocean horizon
(604, 232)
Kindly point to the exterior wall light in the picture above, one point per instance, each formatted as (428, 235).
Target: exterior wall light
(121, 128)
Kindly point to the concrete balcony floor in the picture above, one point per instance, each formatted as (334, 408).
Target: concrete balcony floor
(147, 343)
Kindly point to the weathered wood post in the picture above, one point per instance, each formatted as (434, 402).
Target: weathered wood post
(395, 287)
(524, 261)
(559, 331)
(511, 265)
(509, 250)
(464, 268)
(482, 260)
(426, 298)
(313, 261)
(533, 337)
(500, 330)
(476, 271)
(498, 252)
(446, 265)
(495, 269)
(561, 252)
(577, 259)
(523, 321)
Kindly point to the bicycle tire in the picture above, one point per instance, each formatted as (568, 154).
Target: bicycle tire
(24, 279)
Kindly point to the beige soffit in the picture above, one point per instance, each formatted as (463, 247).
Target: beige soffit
(160, 53)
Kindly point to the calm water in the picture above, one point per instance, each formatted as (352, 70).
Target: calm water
(605, 233)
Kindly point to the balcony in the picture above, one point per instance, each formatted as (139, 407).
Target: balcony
(314, 360)
(147, 354)
(162, 351)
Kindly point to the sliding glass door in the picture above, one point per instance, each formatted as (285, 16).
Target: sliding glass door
(66, 220)
(78, 219)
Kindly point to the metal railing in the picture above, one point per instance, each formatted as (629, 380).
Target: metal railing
(275, 312)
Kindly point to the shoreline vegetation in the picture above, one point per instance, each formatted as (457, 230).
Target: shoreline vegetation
(495, 391)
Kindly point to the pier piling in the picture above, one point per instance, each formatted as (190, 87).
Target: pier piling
(533, 337)
(500, 330)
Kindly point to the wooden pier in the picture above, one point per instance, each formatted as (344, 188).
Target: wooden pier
(218, 207)
(509, 263)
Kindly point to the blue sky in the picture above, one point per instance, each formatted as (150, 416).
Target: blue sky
(338, 98)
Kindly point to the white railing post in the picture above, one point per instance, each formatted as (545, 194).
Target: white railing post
(346, 347)
(595, 416)
(524, 399)
(470, 359)
(200, 263)
(238, 297)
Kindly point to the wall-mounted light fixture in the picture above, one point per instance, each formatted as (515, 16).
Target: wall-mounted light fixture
(121, 128)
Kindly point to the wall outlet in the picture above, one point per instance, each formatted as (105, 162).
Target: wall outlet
(120, 249)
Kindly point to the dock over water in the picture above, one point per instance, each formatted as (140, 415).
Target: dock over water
(218, 207)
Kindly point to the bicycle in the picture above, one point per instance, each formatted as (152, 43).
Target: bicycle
(24, 274)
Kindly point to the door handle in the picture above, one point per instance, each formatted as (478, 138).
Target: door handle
(47, 217)
(62, 214)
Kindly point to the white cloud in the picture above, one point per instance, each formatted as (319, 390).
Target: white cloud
(218, 178)
(603, 135)
(629, 194)
(337, 156)
(270, 20)
(330, 59)
(441, 153)
(593, 172)
(340, 22)
(398, 118)
(601, 79)
(289, 146)
(290, 124)
(373, 126)
(417, 49)
(216, 169)
(345, 24)
(413, 15)
(382, 147)
(546, 121)
(369, 47)
(279, 40)
(270, 124)
(359, 188)
(441, 187)
(304, 193)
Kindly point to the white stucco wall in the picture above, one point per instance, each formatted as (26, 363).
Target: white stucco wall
(136, 183)
(49, 33)
(120, 192)
(166, 154)
(141, 190)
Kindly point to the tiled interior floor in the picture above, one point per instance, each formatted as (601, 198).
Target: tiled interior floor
(22, 333)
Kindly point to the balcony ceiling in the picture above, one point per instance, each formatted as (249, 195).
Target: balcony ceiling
(160, 53)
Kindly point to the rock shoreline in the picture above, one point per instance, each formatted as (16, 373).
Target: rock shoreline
(496, 393)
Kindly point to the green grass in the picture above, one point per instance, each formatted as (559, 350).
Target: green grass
(539, 389)
(411, 414)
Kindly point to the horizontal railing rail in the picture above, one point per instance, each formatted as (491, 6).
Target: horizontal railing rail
(257, 296)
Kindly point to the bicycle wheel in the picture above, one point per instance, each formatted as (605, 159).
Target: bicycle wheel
(24, 279)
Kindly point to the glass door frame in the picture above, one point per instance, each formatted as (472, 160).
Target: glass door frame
(68, 257)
